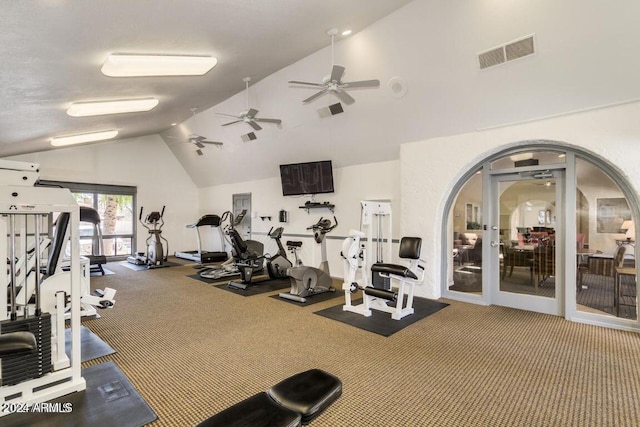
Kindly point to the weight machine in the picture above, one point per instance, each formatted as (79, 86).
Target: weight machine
(390, 283)
(37, 370)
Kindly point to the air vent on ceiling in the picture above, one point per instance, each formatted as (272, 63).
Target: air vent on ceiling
(508, 52)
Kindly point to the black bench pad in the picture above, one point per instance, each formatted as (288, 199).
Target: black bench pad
(308, 393)
(398, 270)
(258, 410)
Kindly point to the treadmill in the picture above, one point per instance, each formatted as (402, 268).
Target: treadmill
(200, 256)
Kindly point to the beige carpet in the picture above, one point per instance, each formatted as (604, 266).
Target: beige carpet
(192, 350)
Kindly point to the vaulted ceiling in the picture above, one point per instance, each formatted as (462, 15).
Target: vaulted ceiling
(424, 52)
(52, 52)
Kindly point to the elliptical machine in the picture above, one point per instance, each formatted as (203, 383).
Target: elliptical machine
(278, 264)
(156, 256)
(309, 281)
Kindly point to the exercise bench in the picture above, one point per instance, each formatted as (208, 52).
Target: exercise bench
(293, 402)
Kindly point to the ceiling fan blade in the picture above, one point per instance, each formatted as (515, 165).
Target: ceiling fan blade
(200, 153)
(228, 115)
(251, 113)
(198, 144)
(254, 125)
(278, 121)
(344, 96)
(230, 123)
(212, 142)
(295, 82)
(336, 73)
(361, 84)
(317, 95)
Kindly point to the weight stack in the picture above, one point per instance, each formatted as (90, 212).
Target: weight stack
(380, 282)
(22, 367)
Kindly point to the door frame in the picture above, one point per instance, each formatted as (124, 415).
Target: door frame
(491, 252)
(247, 222)
(573, 152)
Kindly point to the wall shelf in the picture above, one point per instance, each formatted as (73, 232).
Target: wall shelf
(329, 206)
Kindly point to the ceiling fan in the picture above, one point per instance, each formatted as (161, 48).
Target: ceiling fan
(334, 84)
(250, 116)
(198, 140)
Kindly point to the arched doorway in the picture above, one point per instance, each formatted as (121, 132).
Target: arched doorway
(538, 227)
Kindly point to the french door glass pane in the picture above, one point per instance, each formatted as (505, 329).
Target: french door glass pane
(527, 226)
(605, 234)
(465, 271)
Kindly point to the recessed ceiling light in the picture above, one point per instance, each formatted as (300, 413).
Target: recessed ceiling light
(82, 138)
(173, 124)
(346, 32)
(157, 65)
(83, 109)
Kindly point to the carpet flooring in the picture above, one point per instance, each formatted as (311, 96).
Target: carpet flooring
(191, 351)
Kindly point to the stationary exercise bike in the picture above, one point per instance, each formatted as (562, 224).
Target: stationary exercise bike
(278, 264)
(309, 281)
(156, 256)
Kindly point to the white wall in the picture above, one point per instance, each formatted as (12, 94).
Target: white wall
(144, 162)
(429, 171)
(352, 184)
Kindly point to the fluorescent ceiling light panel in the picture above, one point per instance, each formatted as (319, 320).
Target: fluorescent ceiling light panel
(83, 109)
(82, 138)
(157, 65)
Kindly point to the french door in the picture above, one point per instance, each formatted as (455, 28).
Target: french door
(525, 235)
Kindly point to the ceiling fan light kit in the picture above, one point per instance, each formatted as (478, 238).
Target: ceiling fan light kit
(117, 65)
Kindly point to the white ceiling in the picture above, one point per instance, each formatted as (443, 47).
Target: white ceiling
(52, 51)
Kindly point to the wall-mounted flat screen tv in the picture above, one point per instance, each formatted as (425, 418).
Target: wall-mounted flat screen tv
(307, 178)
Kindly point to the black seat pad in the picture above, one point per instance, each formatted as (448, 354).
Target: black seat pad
(308, 393)
(258, 410)
(398, 270)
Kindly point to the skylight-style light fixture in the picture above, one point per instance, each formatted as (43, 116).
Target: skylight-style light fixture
(84, 109)
(117, 65)
(82, 138)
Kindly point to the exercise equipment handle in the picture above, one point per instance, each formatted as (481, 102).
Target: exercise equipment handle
(162, 213)
(140, 216)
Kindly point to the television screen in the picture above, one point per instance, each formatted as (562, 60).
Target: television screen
(306, 178)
